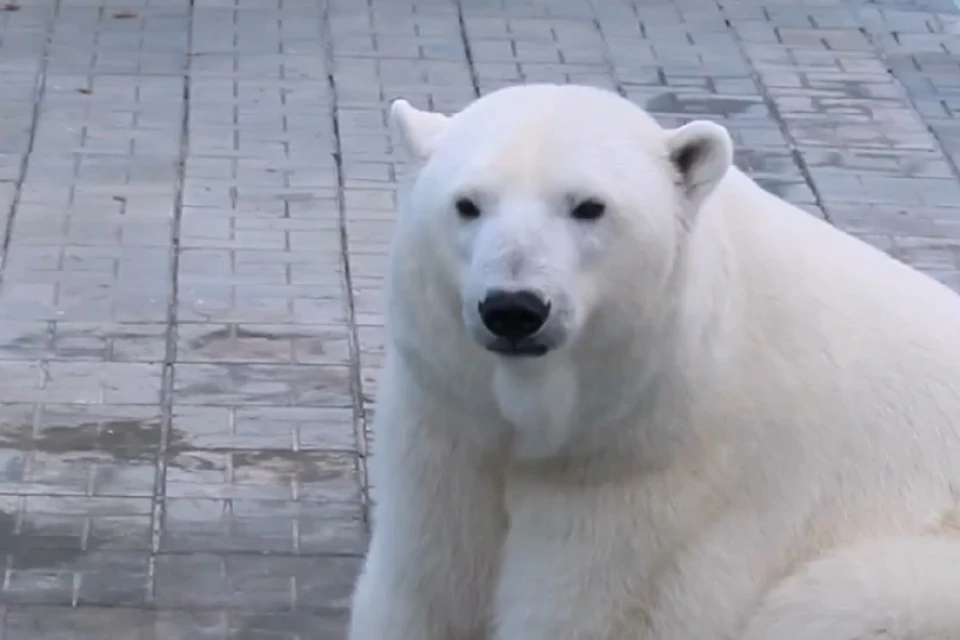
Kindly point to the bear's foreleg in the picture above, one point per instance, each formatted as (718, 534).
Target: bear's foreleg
(568, 565)
(437, 525)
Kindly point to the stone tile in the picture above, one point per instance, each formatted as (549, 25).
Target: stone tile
(96, 623)
(303, 344)
(266, 474)
(298, 625)
(271, 583)
(82, 341)
(260, 384)
(75, 550)
(258, 525)
(80, 382)
(245, 427)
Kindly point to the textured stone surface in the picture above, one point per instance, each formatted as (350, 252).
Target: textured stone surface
(195, 203)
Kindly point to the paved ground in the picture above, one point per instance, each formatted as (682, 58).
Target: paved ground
(197, 199)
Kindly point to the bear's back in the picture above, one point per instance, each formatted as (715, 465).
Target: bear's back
(850, 364)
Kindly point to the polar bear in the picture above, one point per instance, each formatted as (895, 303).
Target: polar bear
(630, 395)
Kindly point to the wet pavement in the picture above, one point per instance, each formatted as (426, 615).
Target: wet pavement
(196, 201)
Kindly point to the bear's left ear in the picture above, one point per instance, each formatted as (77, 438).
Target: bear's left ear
(702, 151)
(418, 129)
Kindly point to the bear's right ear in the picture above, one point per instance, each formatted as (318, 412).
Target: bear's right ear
(418, 129)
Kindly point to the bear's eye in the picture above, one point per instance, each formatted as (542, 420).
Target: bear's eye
(467, 209)
(589, 210)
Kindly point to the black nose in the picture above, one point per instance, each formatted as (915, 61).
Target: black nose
(513, 315)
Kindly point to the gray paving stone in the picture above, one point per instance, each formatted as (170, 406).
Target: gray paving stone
(200, 198)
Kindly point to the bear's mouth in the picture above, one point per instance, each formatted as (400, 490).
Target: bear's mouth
(522, 349)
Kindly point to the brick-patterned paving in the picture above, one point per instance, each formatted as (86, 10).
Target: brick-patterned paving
(196, 201)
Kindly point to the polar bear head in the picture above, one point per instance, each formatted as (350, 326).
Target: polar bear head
(542, 217)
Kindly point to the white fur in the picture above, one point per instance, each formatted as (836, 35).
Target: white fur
(748, 431)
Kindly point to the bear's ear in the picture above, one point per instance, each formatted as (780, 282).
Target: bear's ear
(702, 151)
(418, 129)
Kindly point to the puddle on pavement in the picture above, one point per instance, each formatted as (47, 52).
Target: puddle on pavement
(715, 106)
(128, 440)
(290, 466)
(89, 342)
(37, 548)
(239, 341)
(264, 383)
(768, 169)
(138, 442)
